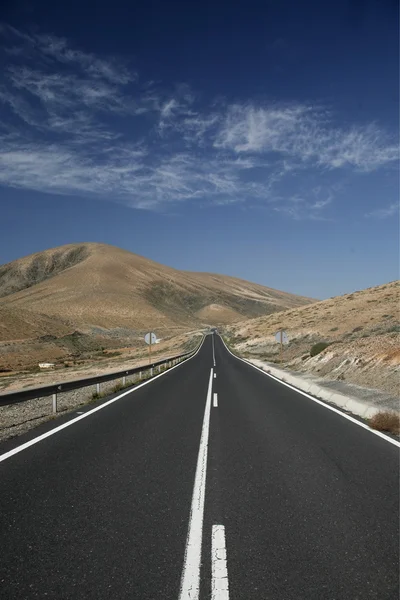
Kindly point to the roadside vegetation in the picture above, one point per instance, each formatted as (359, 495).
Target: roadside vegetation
(318, 348)
(386, 421)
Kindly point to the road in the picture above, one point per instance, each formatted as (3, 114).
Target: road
(206, 482)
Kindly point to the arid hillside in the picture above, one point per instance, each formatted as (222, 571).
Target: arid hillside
(78, 298)
(361, 332)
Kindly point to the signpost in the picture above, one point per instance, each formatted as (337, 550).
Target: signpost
(282, 338)
(150, 338)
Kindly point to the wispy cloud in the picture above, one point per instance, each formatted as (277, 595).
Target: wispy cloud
(305, 208)
(75, 123)
(303, 133)
(385, 212)
(42, 47)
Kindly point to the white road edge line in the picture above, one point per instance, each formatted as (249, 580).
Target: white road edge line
(190, 580)
(336, 410)
(38, 439)
(219, 568)
(215, 400)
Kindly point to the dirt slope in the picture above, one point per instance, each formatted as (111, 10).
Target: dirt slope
(362, 329)
(113, 296)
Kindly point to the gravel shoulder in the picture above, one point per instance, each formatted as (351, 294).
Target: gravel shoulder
(16, 419)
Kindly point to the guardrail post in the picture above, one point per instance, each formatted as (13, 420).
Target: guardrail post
(98, 388)
(54, 403)
(124, 380)
(151, 372)
(140, 375)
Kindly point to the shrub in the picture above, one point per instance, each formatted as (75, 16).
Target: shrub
(318, 347)
(360, 328)
(394, 329)
(386, 421)
(334, 329)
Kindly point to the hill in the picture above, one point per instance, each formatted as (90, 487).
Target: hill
(361, 330)
(113, 296)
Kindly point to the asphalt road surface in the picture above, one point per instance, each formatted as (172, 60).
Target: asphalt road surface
(212, 481)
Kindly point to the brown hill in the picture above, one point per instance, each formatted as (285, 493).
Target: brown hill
(95, 285)
(362, 330)
(113, 295)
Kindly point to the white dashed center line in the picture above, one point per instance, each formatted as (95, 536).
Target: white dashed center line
(215, 403)
(219, 582)
(213, 349)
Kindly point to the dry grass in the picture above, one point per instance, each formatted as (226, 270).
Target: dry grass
(386, 421)
(362, 329)
(351, 314)
(127, 358)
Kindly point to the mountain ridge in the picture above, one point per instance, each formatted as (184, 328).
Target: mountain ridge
(112, 297)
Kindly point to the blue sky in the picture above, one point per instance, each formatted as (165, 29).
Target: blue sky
(255, 139)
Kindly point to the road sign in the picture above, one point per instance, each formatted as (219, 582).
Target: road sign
(150, 338)
(282, 337)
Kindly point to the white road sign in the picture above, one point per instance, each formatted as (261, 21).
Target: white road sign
(282, 336)
(150, 338)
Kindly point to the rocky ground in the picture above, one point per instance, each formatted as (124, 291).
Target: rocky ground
(361, 332)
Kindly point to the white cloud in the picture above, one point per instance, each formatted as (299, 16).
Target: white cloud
(194, 128)
(168, 108)
(304, 134)
(307, 206)
(251, 129)
(320, 204)
(48, 46)
(383, 213)
(74, 123)
(175, 110)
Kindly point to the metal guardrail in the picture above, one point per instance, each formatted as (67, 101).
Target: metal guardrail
(67, 386)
